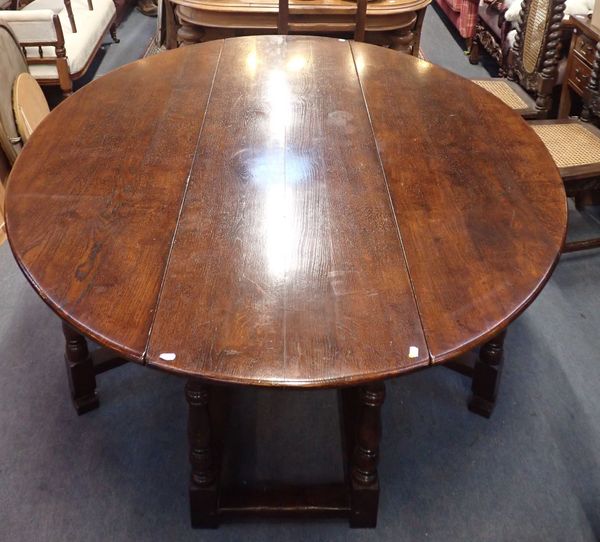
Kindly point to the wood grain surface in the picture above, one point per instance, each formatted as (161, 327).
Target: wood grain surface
(481, 215)
(297, 266)
(94, 199)
(286, 211)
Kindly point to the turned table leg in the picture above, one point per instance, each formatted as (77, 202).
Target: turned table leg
(189, 34)
(486, 376)
(204, 487)
(80, 371)
(363, 469)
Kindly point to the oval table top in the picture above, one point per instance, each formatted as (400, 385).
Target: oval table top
(286, 210)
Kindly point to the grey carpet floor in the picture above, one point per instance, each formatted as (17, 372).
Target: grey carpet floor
(531, 472)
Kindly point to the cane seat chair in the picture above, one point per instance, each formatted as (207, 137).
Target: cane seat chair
(533, 60)
(284, 24)
(575, 147)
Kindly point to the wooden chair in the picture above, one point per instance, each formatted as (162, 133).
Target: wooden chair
(29, 105)
(12, 64)
(533, 61)
(360, 21)
(2, 228)
(22, 103)
(575, 146)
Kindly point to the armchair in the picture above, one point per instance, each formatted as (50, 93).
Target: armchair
(60, 39)
(463, 15)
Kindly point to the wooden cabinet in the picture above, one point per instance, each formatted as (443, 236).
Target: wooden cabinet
(579, 63)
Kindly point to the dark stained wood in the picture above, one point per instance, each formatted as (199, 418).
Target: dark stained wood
(105, 360)
(213, 498)
(91, 217)
(283, 17)
(324, 500)
(481, 222)
(286, 211)
(360, 18)
(80, 371)
(286, 236)
(204, 478)
(364, 480)
(288, 270)
(486, 376)
(579, 62)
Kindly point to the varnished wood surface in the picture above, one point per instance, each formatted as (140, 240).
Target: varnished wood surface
(341, 207)
(481, 216)
(290, 270)
(96, 194)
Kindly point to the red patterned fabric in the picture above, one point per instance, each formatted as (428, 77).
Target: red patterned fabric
(462, 14)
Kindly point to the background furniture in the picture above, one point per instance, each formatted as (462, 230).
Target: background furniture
(360, 19)
(29, 105)
(393, 23)
(492, 34)
(12, 63)
(285, 234)
(60, 40)
(22, 103)
(575, 146)
(533, 62)
(463, 15)
(2, 228)
(579, 63)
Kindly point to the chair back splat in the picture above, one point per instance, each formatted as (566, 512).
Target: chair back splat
(533, 60)
(360, 20)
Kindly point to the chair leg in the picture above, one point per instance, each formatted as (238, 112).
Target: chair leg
(486, 376)
(474, 52)
(80, 371)
(113, 33)
(468, 45)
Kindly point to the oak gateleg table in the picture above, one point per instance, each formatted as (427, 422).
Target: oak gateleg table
(295, 212)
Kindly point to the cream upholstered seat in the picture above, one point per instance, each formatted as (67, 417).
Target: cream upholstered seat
(80, 45)
(75, 33)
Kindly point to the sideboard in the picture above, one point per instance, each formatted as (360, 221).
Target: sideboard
(392, 23)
